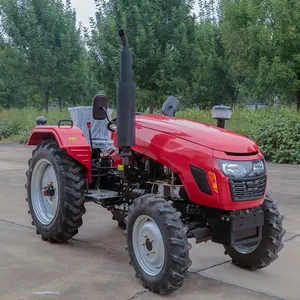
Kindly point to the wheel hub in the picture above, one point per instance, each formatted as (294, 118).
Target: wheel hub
(49, 190)
(148, 245)
(44, 194)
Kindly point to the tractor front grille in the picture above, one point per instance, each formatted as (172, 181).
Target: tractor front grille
(244, 189)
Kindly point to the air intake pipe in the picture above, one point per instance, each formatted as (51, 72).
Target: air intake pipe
(126, 102)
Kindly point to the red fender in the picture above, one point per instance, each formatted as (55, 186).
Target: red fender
(69, 138)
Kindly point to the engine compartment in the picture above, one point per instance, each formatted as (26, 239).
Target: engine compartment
(113, 190)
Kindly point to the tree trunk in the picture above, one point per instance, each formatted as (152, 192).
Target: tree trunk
(233, 94)
(46, 100)
(298, 100)
(7, 104)
(73, 101)
(151, 109)
(59, 103)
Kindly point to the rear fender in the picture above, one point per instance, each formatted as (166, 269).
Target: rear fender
(69, 138)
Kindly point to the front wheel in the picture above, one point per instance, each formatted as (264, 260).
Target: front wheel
(253, 256)
(157, 244)
(55, 192)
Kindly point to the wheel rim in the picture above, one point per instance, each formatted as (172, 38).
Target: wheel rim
(148, 245)
(246, 248)
(44, 195)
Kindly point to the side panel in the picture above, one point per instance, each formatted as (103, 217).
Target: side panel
(71, 139)
(178, 155)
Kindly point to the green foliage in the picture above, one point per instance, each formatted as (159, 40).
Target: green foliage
(12, 84)
(162, 36)
(16, 124)
(278, 134)
(235, 51)
(261, 42)
(7, 130)
(214, 84)
(275, 130)
(42, 55)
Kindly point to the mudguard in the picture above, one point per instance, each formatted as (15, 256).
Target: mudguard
(71, 139)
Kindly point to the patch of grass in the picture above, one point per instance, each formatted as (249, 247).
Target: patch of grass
(16, 124)
(275, 130)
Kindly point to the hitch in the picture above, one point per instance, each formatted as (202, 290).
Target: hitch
(200, 234)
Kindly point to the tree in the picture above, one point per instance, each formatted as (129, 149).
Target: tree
(162, 37)
(44, 33)
(75, 82)
(261, 39)
(214, 83)
(12, 84)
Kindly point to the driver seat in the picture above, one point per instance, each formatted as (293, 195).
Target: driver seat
(100, 135)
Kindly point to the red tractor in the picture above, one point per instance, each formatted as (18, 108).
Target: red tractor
(169, 180)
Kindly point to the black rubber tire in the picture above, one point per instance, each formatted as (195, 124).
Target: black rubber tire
(71, 188)
(177, 248)
(270, 245)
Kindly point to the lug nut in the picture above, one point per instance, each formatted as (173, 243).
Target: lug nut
(227, 219)
(145, 236)
(152, 252)
(147, 253)
(143, 244)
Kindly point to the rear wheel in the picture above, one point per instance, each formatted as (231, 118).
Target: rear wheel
(55, 192)
(157, 244)
(255, 256)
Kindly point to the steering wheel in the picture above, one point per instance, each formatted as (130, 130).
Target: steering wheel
(114, 122)
(110, 123)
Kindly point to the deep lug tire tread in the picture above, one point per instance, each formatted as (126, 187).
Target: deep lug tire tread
(71, 206)
(270, 245)
(177, 255)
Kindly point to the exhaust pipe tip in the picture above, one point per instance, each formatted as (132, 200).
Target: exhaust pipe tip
(123, 39)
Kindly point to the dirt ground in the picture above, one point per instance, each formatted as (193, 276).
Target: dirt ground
(94, 265)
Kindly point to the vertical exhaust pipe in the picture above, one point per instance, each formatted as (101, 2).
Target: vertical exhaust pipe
(126, 102)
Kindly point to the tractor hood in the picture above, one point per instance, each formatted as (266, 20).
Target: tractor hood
(199, 133)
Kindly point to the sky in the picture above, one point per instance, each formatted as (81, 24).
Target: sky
(86, 9)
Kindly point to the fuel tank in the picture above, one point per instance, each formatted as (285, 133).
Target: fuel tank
(206, 135)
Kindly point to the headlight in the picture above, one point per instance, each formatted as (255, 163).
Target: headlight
(232, 168)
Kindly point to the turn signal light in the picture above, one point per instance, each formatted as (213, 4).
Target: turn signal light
(213, 180)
